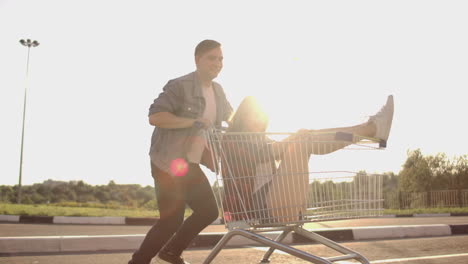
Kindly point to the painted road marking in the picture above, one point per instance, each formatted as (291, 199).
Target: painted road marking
(382, 260)
(284, 253)
(419, 258)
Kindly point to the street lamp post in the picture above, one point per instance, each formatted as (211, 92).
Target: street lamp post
(29, 44)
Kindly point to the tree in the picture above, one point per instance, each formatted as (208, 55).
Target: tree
(416, 175)
(389, 182)
(461, 171)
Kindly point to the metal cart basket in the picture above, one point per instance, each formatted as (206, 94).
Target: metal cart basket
(264, 183)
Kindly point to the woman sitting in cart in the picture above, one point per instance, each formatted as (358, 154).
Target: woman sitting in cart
(258, 171)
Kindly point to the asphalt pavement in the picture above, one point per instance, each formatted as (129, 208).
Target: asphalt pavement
(433, 250)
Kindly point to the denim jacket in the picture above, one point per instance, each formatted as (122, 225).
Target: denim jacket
(182, 97)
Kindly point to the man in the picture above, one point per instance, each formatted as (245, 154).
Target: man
(186, 106)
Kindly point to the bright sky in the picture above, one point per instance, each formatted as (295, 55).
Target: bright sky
(312, 64)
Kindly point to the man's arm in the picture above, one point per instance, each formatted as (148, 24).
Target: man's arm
(171, 121)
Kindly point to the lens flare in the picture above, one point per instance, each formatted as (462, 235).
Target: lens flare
(179, 167)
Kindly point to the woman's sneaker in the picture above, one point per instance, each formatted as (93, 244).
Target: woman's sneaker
(168, 258)
(383, 121)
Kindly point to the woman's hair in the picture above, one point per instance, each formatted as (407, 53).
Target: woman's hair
(249, 106)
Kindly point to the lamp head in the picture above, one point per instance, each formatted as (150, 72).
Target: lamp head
(29, 43)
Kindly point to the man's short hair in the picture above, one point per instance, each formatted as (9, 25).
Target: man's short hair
(205, 46)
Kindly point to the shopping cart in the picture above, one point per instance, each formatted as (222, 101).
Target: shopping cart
(264, 184)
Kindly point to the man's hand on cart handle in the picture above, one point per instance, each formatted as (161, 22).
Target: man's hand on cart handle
(202, 123)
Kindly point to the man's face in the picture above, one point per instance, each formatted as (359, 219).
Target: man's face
(210, 63)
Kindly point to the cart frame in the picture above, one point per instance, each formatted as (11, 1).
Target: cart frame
(356, 199)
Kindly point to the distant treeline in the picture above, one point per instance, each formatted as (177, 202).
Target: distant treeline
(419, 174)
(74, 193)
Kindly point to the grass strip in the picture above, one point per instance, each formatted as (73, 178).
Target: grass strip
(51, 210)
(445, 210)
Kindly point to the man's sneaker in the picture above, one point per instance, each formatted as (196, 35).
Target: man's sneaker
(383, 121)
(167, 258)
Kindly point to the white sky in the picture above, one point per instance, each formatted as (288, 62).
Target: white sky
(312, 64)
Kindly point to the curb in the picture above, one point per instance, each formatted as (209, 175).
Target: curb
(66, 244)
(84, 220)
(110, 220)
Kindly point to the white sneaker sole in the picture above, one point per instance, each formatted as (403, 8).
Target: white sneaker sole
(384, 126)
(159, 261)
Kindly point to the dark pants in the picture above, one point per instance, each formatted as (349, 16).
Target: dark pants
(171, 231)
